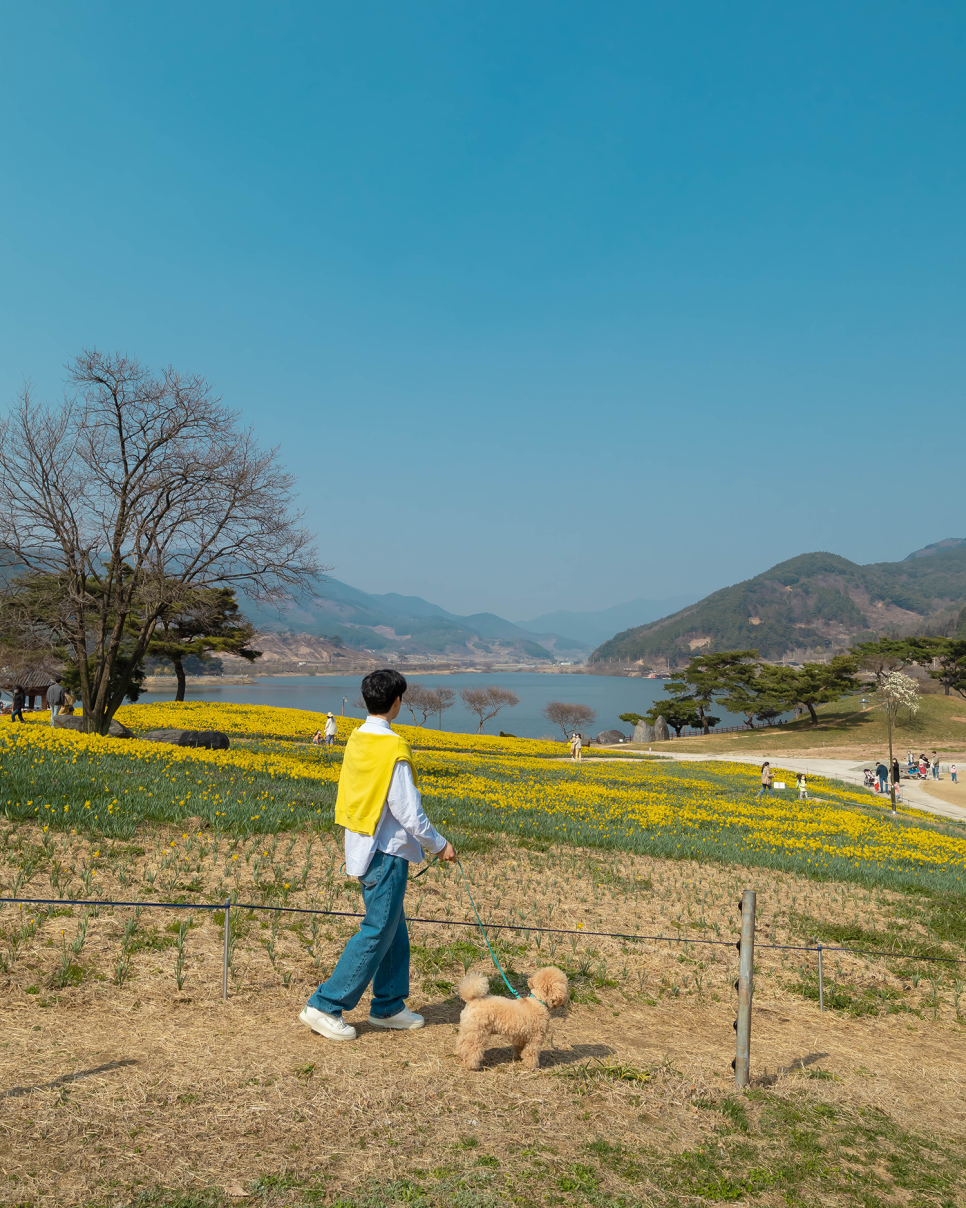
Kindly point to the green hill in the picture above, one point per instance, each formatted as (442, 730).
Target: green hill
(808, 606)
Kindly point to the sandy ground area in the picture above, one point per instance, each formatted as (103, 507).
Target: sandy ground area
(121, 1092)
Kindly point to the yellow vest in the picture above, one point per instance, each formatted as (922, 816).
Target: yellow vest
(367, 768)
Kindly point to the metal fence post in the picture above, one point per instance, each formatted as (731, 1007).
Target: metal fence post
(746, 963)
(821, 981)
(224, 959)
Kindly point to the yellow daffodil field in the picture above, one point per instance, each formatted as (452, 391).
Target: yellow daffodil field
(273, 778)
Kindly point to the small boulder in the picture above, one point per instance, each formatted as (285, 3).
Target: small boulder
(210, 740)
(608, 738)
(68, 722)
(643, 732)
(661, 731)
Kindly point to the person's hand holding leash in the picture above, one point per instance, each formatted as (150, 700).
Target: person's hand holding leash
(448, 853)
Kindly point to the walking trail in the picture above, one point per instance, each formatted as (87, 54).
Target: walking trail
(913, 794)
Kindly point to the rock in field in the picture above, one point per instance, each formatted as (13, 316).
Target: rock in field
(643, 732)
(68, 722)
(661, 731)
(211, 740)
(609, 737)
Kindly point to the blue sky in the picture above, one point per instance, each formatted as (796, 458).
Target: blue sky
(547, 304)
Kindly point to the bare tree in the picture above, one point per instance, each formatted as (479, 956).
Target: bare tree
(443, 699)
(138, 490)
(569, 717)
(419, 699)
(487, 702)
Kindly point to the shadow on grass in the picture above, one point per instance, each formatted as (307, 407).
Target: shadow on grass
(16, 1092)
(800, 1063)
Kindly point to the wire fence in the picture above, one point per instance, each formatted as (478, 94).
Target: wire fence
(230, 904)
(745, 946)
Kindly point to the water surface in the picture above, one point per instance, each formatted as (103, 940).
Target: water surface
(609, 695)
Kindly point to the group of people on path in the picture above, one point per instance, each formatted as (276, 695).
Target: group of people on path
(926, 767)
(923, 768)
(58, 699)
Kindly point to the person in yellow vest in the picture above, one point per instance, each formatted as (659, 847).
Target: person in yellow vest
(385, 831)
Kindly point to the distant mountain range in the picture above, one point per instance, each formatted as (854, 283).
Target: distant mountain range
(410, 625)
(809, 605)
(597, 627)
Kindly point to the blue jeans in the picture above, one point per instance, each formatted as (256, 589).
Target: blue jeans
(379, 951)
(765, 788)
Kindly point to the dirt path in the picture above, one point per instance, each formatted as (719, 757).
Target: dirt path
(121, 1091)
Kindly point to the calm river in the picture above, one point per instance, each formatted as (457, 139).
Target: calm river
(609, 695)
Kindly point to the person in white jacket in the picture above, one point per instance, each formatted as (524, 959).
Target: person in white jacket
(379, 951)
(330, 730)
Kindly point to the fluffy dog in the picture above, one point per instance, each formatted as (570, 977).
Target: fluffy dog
(523, 1021)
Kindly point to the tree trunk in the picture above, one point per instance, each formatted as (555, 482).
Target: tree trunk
(179, 673)
(812, 713)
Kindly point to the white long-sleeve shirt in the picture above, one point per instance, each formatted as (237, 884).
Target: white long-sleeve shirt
(403, 829)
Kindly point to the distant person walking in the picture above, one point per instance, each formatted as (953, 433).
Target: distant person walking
(952, 773)
(577, 747)
(17, 704)
(55, 698)
(895, 771)
(935, 765)
(802, 787)
(766, 779)
(882, 776)
(330, 730)
(68, 705)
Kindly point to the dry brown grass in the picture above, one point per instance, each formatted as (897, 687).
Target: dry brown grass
(107, 1088)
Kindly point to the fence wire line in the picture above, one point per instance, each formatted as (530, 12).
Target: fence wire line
(348, 914)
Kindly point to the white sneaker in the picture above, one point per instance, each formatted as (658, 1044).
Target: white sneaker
(332, 1027)
(404, 1020)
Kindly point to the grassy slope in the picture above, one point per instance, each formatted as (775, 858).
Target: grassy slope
(632, 1109)
(674, 810)
(940, 723)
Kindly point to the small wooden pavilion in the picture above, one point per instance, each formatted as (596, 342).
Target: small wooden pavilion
(34, 683)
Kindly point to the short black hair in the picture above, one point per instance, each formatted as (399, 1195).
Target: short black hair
(380, 689)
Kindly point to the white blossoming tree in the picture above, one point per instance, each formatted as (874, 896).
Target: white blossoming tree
(896, 691)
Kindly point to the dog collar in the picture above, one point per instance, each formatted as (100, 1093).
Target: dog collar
(540, 1001)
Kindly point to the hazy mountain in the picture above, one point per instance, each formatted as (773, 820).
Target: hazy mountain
(409, 625)
(949, 543)
(597, 627)
(810, 604)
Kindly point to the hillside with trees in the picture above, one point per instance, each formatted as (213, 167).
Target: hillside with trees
(807, 607)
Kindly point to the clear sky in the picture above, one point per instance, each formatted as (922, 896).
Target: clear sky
(547, 304)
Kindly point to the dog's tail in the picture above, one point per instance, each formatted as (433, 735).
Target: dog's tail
(474, 985)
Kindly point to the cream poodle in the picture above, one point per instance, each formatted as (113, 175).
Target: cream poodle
(523, 1021)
